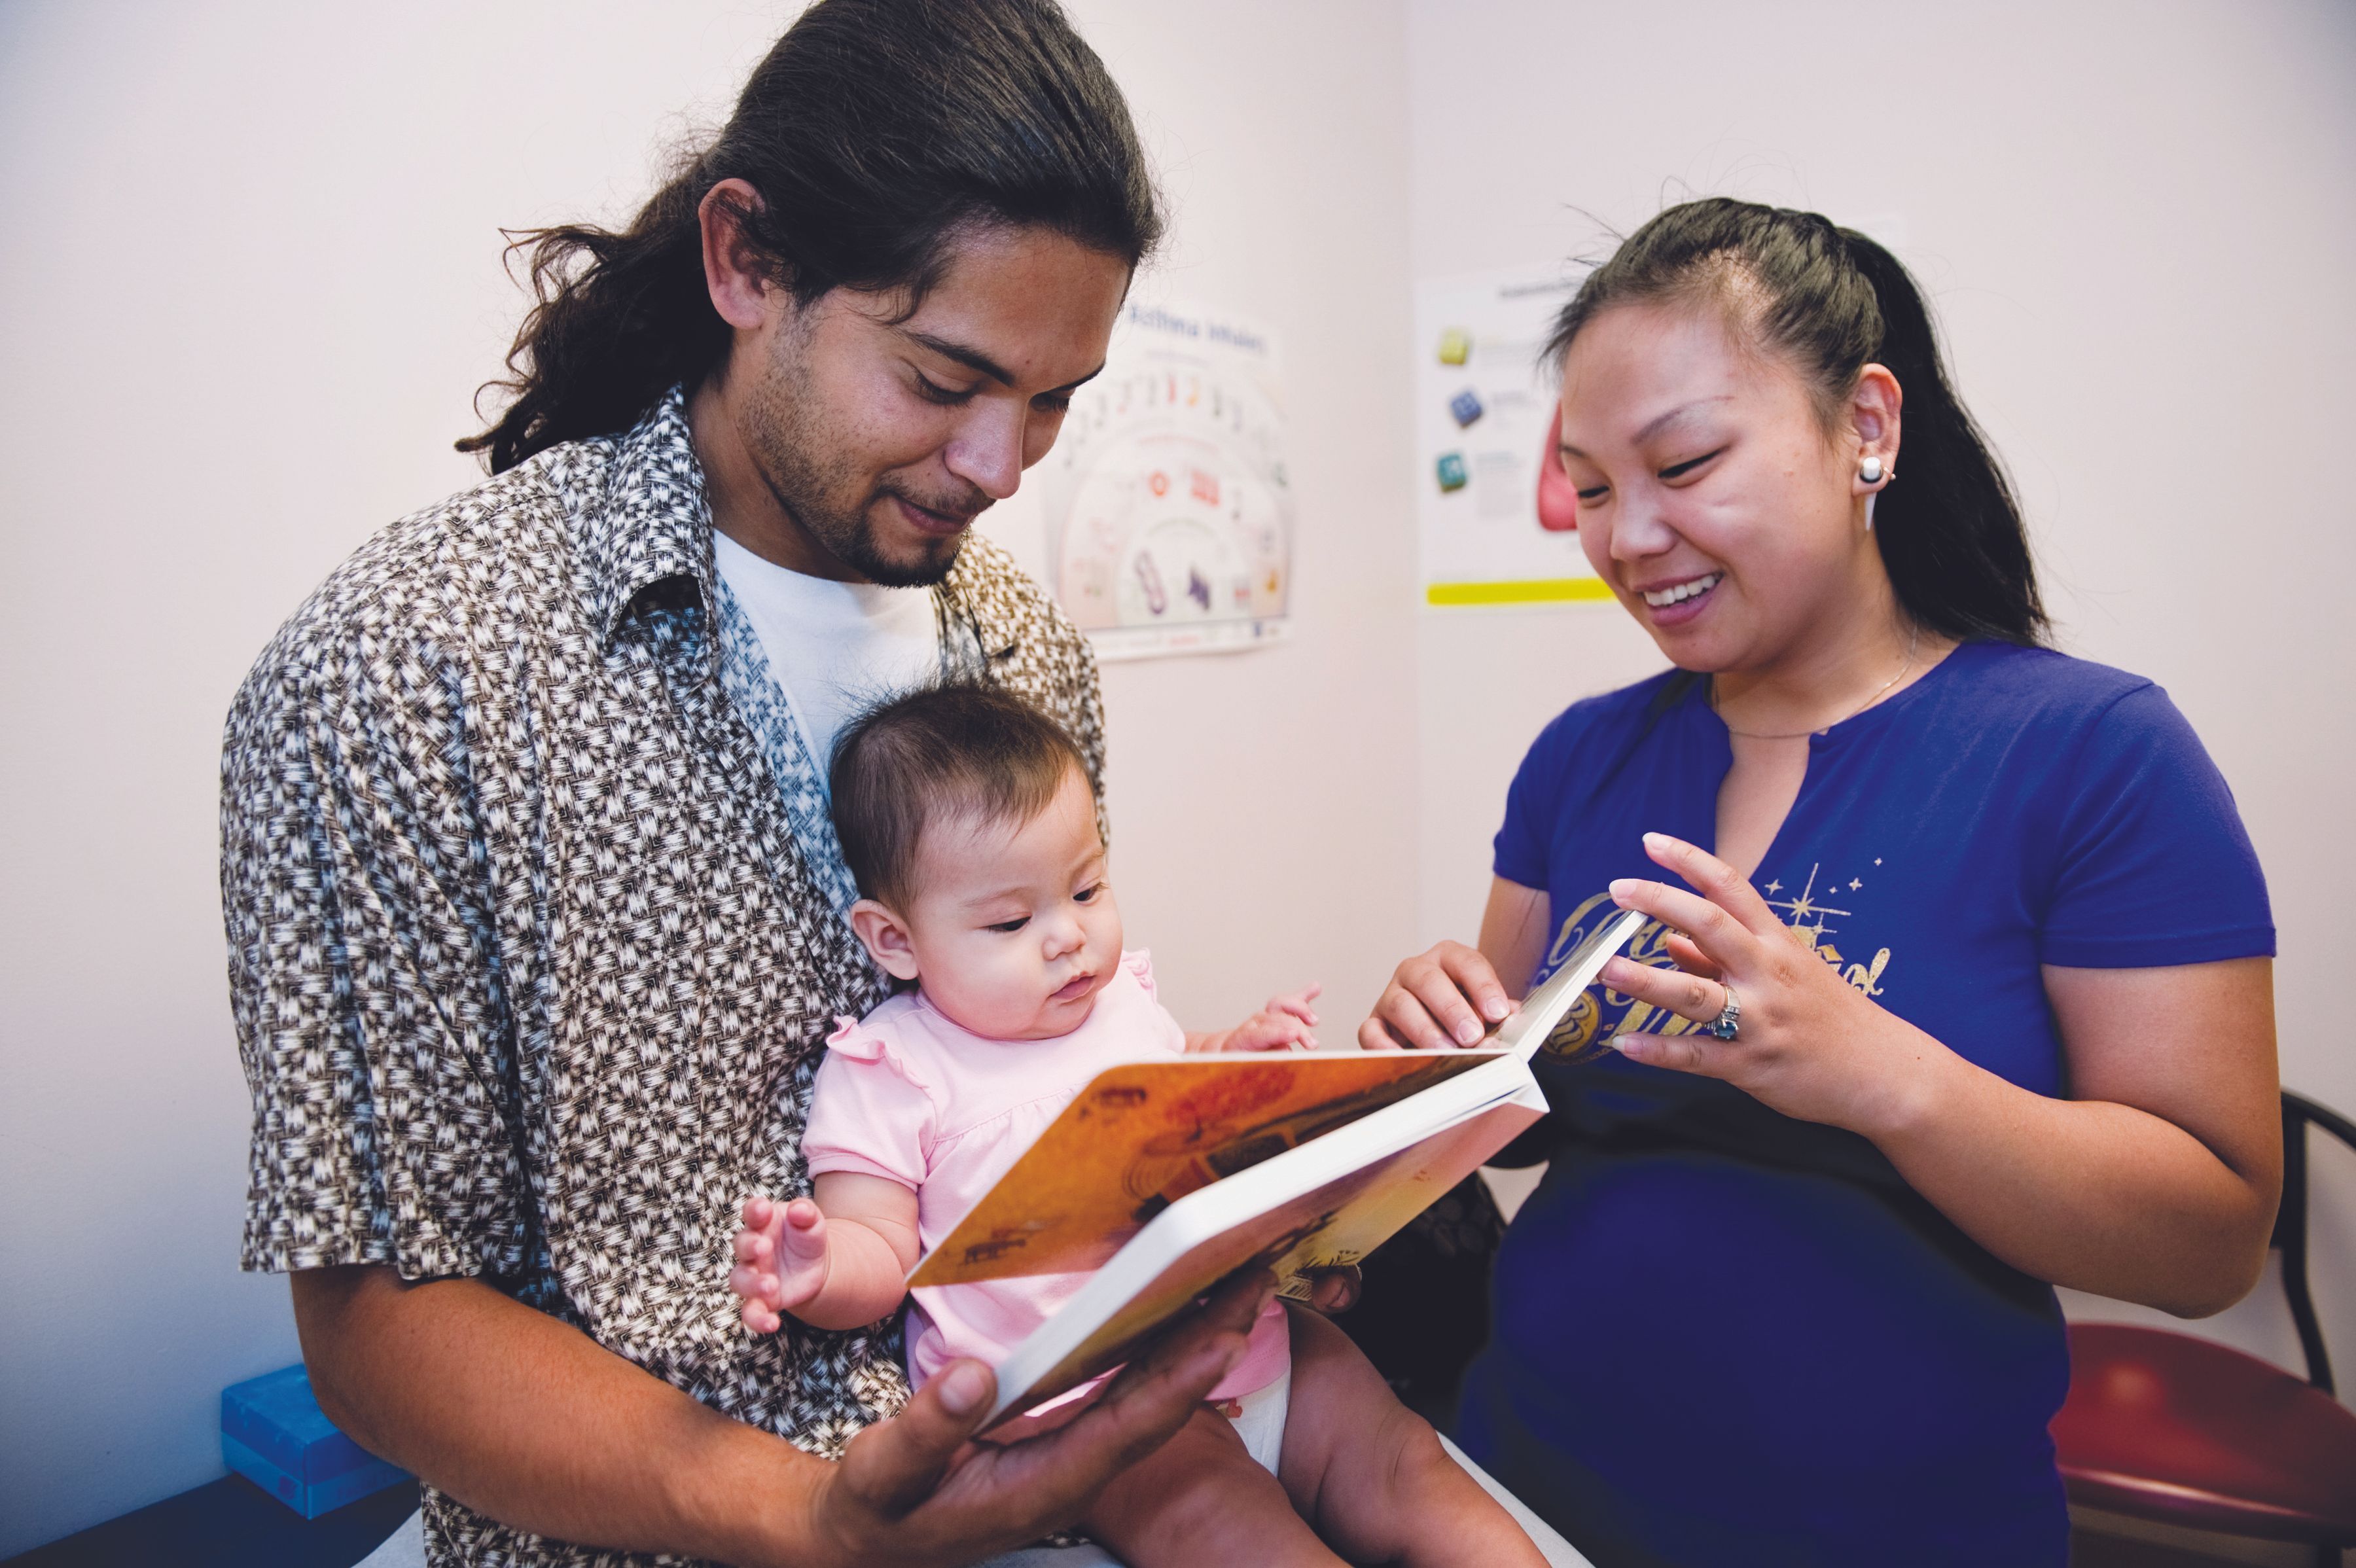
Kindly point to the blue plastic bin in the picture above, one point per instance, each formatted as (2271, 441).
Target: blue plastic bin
(273, 1435)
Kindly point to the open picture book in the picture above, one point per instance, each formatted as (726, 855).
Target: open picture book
(1163, 1177)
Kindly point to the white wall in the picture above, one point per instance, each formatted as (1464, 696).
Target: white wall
(2135, 222)
(253, 280)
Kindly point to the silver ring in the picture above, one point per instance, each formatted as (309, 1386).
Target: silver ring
(1730, 1018)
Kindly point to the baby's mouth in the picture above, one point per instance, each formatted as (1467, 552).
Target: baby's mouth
(1074, 988)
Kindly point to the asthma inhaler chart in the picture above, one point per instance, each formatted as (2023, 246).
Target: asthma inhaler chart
(1168, 513)
(1484, 409)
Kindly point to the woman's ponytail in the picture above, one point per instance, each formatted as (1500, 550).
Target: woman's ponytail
(1951, 533)
(874, 133)
(1832, 302)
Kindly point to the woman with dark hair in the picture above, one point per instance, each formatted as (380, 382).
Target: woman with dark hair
(1972, 994)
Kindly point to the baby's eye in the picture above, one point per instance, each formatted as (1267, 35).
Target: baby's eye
(1010, 927)
(1589, 497)
(1087, 893)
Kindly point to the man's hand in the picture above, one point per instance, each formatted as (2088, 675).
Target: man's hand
(916, 1490)
(527, 1420)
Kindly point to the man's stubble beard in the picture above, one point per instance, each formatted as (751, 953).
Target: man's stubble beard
(827, 497)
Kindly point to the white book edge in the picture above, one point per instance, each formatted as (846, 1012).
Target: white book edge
(1209, 1212)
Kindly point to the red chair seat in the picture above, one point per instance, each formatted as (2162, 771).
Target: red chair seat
(2166, 1426)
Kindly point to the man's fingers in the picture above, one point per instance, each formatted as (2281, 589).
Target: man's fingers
(1477, 981)
(1336, 1289)
(895, 1464)
(1374, 1034)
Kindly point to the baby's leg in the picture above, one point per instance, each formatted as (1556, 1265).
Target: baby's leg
(1371, 1473)
(1200, 1501)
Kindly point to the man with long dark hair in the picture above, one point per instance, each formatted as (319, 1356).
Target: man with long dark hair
(531, 898)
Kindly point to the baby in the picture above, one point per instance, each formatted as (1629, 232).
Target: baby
(968, 821)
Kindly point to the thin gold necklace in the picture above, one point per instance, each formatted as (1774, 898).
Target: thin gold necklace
(1913, 642)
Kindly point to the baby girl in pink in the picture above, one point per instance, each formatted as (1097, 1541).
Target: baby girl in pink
(968, 821)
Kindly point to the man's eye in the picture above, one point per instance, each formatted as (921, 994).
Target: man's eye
(932, 390)
(1053, 402)
(1589, 498)
(1678, 470)
(1010, 927)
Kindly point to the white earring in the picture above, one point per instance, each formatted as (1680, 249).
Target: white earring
(1870, 470)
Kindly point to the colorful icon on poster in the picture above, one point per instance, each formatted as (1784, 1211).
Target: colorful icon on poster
(1455, 346)
(1465, 407)
(1451, 471)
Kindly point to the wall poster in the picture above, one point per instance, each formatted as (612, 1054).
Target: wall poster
(1484, 409)
(1168, 513)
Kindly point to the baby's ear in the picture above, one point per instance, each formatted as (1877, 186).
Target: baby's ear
(885, 937)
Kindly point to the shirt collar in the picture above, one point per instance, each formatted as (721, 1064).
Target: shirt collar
(655, 525)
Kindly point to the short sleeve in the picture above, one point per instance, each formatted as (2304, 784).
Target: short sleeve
(363, 973)
(1524, 838)
(870, 1112)
(2154, 867)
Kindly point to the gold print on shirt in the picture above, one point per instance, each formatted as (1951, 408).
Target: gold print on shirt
(1603, 1013)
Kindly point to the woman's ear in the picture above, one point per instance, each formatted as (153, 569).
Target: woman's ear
(1873, 413)
(885, 937)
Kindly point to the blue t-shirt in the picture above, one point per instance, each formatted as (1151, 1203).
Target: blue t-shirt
(1722, 1335)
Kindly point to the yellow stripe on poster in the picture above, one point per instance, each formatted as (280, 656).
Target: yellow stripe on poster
(1533, 591)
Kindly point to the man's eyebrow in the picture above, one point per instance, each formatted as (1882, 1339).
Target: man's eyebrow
(975, 359)
(1655, 425)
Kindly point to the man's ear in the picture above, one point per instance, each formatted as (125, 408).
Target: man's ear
(735, 272)
(885, 937)
(1873, 410)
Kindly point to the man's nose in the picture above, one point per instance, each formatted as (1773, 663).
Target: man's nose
(987, 450)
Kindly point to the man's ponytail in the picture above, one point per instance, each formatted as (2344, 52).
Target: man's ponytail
(874, 134)
(1832, 302)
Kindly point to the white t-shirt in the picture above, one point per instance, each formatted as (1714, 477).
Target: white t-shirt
(834, 646)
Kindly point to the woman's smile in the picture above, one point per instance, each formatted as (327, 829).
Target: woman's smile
(1676, 602)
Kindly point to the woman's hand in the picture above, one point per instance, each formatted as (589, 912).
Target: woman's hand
(1447, 997)
(1808, 1043)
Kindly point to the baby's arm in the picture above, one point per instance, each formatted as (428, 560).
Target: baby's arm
(1283, 1024)
(839, 1262)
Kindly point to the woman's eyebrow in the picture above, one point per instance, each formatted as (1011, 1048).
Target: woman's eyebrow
(1660, 422)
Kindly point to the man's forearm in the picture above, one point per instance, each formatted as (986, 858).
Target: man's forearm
(526, 1419)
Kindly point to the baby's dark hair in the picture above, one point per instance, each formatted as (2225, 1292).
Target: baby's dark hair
(956, 750)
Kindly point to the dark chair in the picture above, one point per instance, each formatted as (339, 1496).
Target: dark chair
(2163, 1426)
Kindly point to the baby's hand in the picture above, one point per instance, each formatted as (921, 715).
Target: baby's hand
(1282, 1026)
(781, 1260)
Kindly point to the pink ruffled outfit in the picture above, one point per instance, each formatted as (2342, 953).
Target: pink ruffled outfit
(908, 1095)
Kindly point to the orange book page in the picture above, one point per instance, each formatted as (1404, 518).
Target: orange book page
(1338, 1223)
(1143, 1136)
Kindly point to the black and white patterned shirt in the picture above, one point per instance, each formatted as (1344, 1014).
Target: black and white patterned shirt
(533, 935)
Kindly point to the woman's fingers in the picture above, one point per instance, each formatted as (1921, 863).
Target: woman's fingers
(1718, 882)
(1694, 997)
(1687, 957)
(1721, 941)
(1410, 1022)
